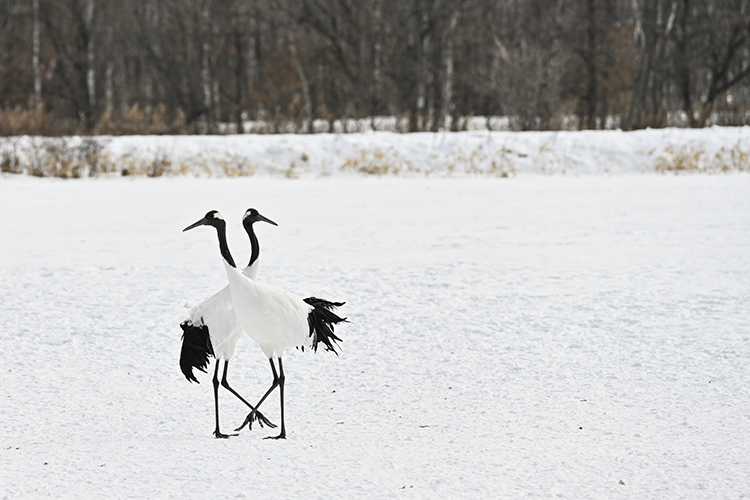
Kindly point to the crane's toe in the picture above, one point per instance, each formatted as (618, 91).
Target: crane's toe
(280, 436)
(219, 435)
(263, 421)
(255, 416)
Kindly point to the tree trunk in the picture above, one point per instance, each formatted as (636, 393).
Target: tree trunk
(447, 90)
(652, 34)
(253, 58)
(90, 68)
(216, 96)
(205, 29)
(377, 56)
(108, 75)
(425, 40)
(307, 123)
(684, 83)
(35, 58)
(592, 89)
(239, 76)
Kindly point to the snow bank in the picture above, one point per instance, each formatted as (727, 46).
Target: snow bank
(502, 154)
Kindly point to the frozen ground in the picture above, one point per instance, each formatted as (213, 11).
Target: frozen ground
(547, 337)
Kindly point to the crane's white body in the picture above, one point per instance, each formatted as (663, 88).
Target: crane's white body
(217, 313)
(272, 317)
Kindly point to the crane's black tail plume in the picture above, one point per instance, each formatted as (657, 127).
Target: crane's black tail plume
(322, 320)
(196, 349)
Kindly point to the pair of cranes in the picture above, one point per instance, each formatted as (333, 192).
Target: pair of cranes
(274, 318)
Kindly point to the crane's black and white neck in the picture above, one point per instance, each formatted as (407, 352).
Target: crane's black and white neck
(216, 220)
(251, 217)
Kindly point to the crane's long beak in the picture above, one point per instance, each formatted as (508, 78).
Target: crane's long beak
(201, 222)
(264, 219)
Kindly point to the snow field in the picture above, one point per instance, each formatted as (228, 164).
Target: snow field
(578, 337)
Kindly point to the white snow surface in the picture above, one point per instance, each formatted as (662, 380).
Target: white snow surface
(568, 337)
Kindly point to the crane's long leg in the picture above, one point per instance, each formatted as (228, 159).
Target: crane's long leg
(258, 415)
(282, 378)
(278, 381)
(217, 432)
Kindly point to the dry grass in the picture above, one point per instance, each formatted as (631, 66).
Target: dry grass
(157, 165)
(391, 162)
(502, 164)
(549, 161)
(128, 120)
(210, 163)
(497, 164)
(24, 120)
(691, 158)
(685, 158)
(735, 159)
(55, 157)
(378, 162)
(70, 158)
(220, 163)
(135, 120)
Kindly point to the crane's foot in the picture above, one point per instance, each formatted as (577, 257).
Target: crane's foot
(255, 416)
(263, 421)
(219, 435)
(280, 436)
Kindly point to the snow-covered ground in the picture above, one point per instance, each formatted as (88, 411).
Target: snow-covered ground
(569, 337)
(501, 154)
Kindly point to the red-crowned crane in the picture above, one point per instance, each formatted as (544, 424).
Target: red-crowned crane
(274, 318)
(213, 329)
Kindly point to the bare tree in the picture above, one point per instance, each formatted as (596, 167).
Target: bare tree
(654, 22)
(35, 57)
(544, 64)
(709, 61)
(88, 31)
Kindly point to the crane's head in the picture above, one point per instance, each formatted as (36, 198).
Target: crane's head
(212, 218)
(251, 216)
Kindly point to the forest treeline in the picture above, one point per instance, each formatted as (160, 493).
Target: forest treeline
(212, 66)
